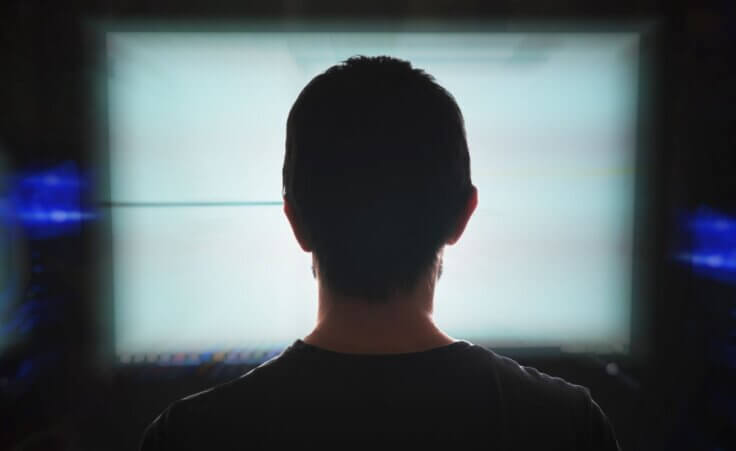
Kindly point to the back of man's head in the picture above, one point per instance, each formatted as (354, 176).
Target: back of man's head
(377, 173)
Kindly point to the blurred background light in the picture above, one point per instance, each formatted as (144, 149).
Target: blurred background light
(709, 244)
(48, 203)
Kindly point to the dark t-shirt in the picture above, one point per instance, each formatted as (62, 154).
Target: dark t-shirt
(459, 395)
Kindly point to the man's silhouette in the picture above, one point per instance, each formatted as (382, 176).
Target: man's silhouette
(376, 181)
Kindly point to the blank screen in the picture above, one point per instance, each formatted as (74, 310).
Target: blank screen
(203, 259)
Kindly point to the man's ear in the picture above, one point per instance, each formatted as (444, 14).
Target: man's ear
(298, 234)
(472, 202)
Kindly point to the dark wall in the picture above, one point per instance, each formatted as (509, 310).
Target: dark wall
(673, 397)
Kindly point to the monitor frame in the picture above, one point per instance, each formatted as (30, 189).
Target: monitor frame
(646, 245)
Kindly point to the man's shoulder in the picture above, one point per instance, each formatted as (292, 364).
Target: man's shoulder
(185, 422)
(251, 385)
(551, 406)
(517, 384)
(521, 397)
(518, 380)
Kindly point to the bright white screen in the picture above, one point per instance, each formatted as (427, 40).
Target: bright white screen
(204, 260)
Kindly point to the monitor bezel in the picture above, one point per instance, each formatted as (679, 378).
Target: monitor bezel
(647, 221)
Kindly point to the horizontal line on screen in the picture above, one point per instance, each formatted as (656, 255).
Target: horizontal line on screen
(192, 204)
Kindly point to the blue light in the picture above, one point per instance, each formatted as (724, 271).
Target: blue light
(711, 244)
(58, 215)
(48, 203)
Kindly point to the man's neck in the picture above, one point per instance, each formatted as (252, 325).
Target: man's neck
(356, 326)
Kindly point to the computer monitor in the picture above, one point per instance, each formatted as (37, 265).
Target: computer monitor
(203, 261)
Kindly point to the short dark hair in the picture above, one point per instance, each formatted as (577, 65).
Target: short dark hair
(377, 172)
